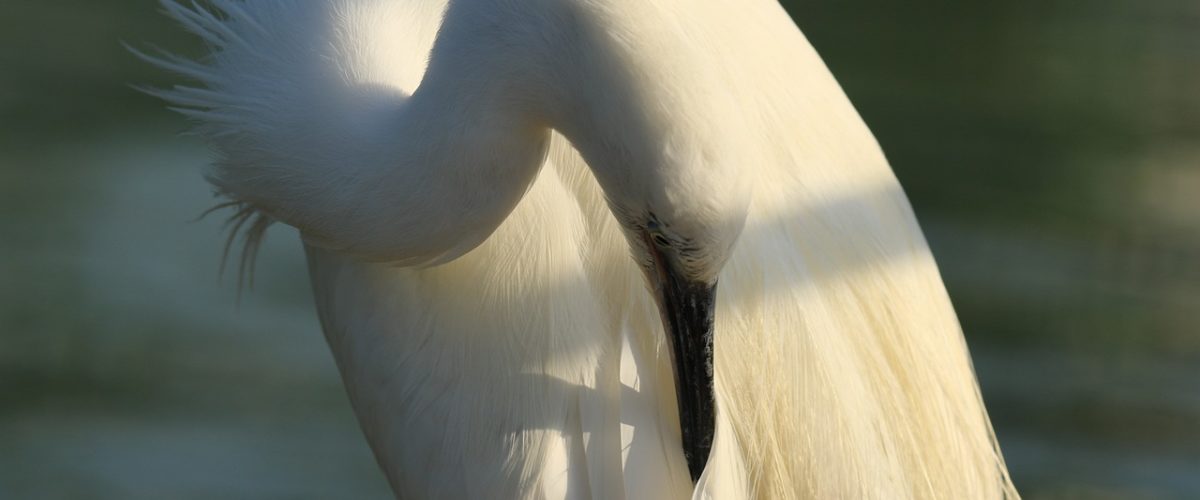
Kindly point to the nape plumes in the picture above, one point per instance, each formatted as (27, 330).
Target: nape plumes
(464, 174)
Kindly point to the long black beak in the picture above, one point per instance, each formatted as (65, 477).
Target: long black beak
(687, 312)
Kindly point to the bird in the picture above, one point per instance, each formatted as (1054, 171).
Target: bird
(605, 249)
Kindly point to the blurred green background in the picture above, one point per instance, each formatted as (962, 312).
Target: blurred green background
(1051, 149)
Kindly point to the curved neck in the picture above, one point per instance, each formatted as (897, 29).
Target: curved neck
(466, 158)
(433, 179)
(423, 179)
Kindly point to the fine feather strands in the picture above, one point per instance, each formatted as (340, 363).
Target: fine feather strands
(310, 107)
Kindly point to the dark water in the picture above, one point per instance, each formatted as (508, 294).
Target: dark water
(1051, 148)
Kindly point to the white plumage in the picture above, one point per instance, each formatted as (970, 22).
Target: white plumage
(470, 178)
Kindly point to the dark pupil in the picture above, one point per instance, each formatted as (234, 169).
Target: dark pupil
(661, 240)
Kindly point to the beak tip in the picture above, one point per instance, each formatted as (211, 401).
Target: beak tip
(688, 318)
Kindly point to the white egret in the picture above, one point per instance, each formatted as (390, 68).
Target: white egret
(470, 179)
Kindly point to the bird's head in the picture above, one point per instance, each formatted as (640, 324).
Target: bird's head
(681, 212)
(675, 189)
(669, 144)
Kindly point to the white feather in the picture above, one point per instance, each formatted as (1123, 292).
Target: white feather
(522, 357)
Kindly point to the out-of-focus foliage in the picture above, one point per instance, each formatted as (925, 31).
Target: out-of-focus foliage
(1051, 149)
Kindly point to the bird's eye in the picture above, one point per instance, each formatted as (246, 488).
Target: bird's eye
(654, 230)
